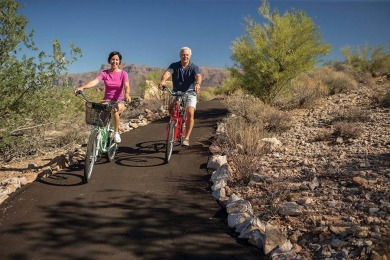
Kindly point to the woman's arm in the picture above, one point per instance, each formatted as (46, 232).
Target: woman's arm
(127, 91)
(90, 84)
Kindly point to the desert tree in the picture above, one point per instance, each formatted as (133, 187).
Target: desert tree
(269, 56)
(25, 81)
(33, 89)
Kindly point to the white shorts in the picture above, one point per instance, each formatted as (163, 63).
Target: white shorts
(191, 101)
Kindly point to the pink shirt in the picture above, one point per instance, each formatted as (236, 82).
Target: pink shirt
(114, 82)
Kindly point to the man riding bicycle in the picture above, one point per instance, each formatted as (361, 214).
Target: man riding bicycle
(186, 76)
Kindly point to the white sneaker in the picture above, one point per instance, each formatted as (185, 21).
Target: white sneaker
(117, 137)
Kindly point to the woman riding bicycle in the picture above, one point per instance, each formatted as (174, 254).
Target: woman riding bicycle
(115, 81)
(186, 76)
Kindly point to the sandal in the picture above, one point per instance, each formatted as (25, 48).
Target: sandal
(186, 143)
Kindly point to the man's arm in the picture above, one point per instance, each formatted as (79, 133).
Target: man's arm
(198, 82)
(164, 78)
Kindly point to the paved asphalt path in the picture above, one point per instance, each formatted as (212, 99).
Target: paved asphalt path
(136, 207)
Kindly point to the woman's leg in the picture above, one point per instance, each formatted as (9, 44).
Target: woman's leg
(116, 121)
(117, 111)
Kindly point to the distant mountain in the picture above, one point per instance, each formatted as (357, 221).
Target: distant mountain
(212, 77)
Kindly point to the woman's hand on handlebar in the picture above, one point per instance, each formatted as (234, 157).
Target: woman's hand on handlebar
(128, 99)
(77, 90)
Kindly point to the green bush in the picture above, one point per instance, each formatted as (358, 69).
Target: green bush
(34, 90)
(55, 111)
(372, 59)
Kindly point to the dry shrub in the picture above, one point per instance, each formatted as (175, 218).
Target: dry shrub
(245, 166)
(385, 100)
(246, 106)
(254, 111)
(304, 92)
(382, 98)
(40, 139)
(308, 88)
(70, 137)
(353, 114)
(243, 142)
(359, 76)
(323, 135)
(347, 130)
(277, 121)
(243, 137)
(336, 81)
(210, 93)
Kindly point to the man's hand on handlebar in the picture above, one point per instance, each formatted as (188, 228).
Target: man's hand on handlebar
(161, 86)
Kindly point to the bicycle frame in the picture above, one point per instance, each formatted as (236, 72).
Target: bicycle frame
(179, 117)
(100, 140)
(104, 137)
(176, 127)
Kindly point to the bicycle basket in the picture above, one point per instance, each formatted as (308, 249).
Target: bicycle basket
(94, 111)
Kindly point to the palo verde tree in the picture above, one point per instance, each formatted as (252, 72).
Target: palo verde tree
(268, 57)
(29, 86)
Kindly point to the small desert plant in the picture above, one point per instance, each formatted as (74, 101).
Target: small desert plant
(359, 76)
(304, 92)
(336, 82)
(385, 100)
(352, 114)
(347, 130)
(244, 137)
(209, 93)
(254, 111)
(382, 98)
(244, 142)
(245, 166)
(246, 106)
(372, 59)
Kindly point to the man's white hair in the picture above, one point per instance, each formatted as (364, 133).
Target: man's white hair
(185, 48)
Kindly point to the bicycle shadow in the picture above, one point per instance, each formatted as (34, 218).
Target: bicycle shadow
(146, 154)
(70, 176)
(64, 178)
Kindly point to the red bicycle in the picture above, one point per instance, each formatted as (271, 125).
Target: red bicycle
(176, 128)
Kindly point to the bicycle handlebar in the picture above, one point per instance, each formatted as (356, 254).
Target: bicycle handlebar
(177, 93)
(134, 103)
(80, 92)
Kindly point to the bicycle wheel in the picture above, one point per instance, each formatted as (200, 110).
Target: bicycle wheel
(183, 132)
(91, 155)
(111, 150)
(170, 140)
(111, 145)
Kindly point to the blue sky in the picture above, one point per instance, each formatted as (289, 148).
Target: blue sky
(151, 32)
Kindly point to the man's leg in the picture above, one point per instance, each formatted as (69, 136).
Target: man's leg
(191, 106)
(190, 122)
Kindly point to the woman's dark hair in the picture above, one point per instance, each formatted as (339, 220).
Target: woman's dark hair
(114, 53)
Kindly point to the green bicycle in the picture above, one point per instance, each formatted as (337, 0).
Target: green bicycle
(101, 138)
